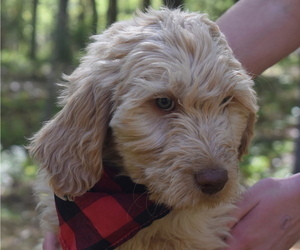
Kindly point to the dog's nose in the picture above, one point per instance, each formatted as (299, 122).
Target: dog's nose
(212, 181)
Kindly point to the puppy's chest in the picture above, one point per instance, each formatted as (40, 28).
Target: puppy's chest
(186, 229)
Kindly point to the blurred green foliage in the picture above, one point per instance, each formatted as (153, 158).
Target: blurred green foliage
(273, 146)
(21, 114)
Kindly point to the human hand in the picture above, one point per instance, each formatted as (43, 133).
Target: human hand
(50, 242)
(268, 216)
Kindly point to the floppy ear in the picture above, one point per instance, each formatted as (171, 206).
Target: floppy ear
(247, 135)
(70, 146)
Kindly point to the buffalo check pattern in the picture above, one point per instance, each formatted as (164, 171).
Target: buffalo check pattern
(111, 213)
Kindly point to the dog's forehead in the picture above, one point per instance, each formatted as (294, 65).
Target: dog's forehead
(182, 54)
(181, 83)
(182, 50)
(184, 74)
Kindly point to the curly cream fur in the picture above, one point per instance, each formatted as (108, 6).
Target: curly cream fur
(109, 112)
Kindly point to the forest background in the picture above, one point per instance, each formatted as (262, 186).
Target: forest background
(41, 39)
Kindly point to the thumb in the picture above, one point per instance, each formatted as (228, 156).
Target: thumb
(247, 203)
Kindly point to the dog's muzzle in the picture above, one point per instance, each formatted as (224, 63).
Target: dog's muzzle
(212, 181)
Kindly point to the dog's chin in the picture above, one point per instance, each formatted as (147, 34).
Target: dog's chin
(197, 199)
(211, 201)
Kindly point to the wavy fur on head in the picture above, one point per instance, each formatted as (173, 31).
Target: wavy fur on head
(110, 112)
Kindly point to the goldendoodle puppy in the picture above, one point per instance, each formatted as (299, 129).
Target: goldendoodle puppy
(159, 103)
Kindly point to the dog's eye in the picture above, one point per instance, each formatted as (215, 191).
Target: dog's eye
(165, 103)
(226, 100)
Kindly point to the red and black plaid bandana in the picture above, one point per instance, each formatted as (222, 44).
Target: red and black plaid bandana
(111, 213)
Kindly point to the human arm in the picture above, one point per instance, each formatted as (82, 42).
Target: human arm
(50, 242)
(268, 216)
(262, 32)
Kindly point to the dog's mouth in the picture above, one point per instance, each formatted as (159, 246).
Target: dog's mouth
(184, 185)
(206, 188)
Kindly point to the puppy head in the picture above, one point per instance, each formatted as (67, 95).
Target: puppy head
(177, 101)
(184, 115)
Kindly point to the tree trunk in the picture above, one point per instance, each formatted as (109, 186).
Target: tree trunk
(173, 4)
(94, 17)
(112, 12)
(32, 52)
(62, 49)
(146, 4)
(61, 56)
